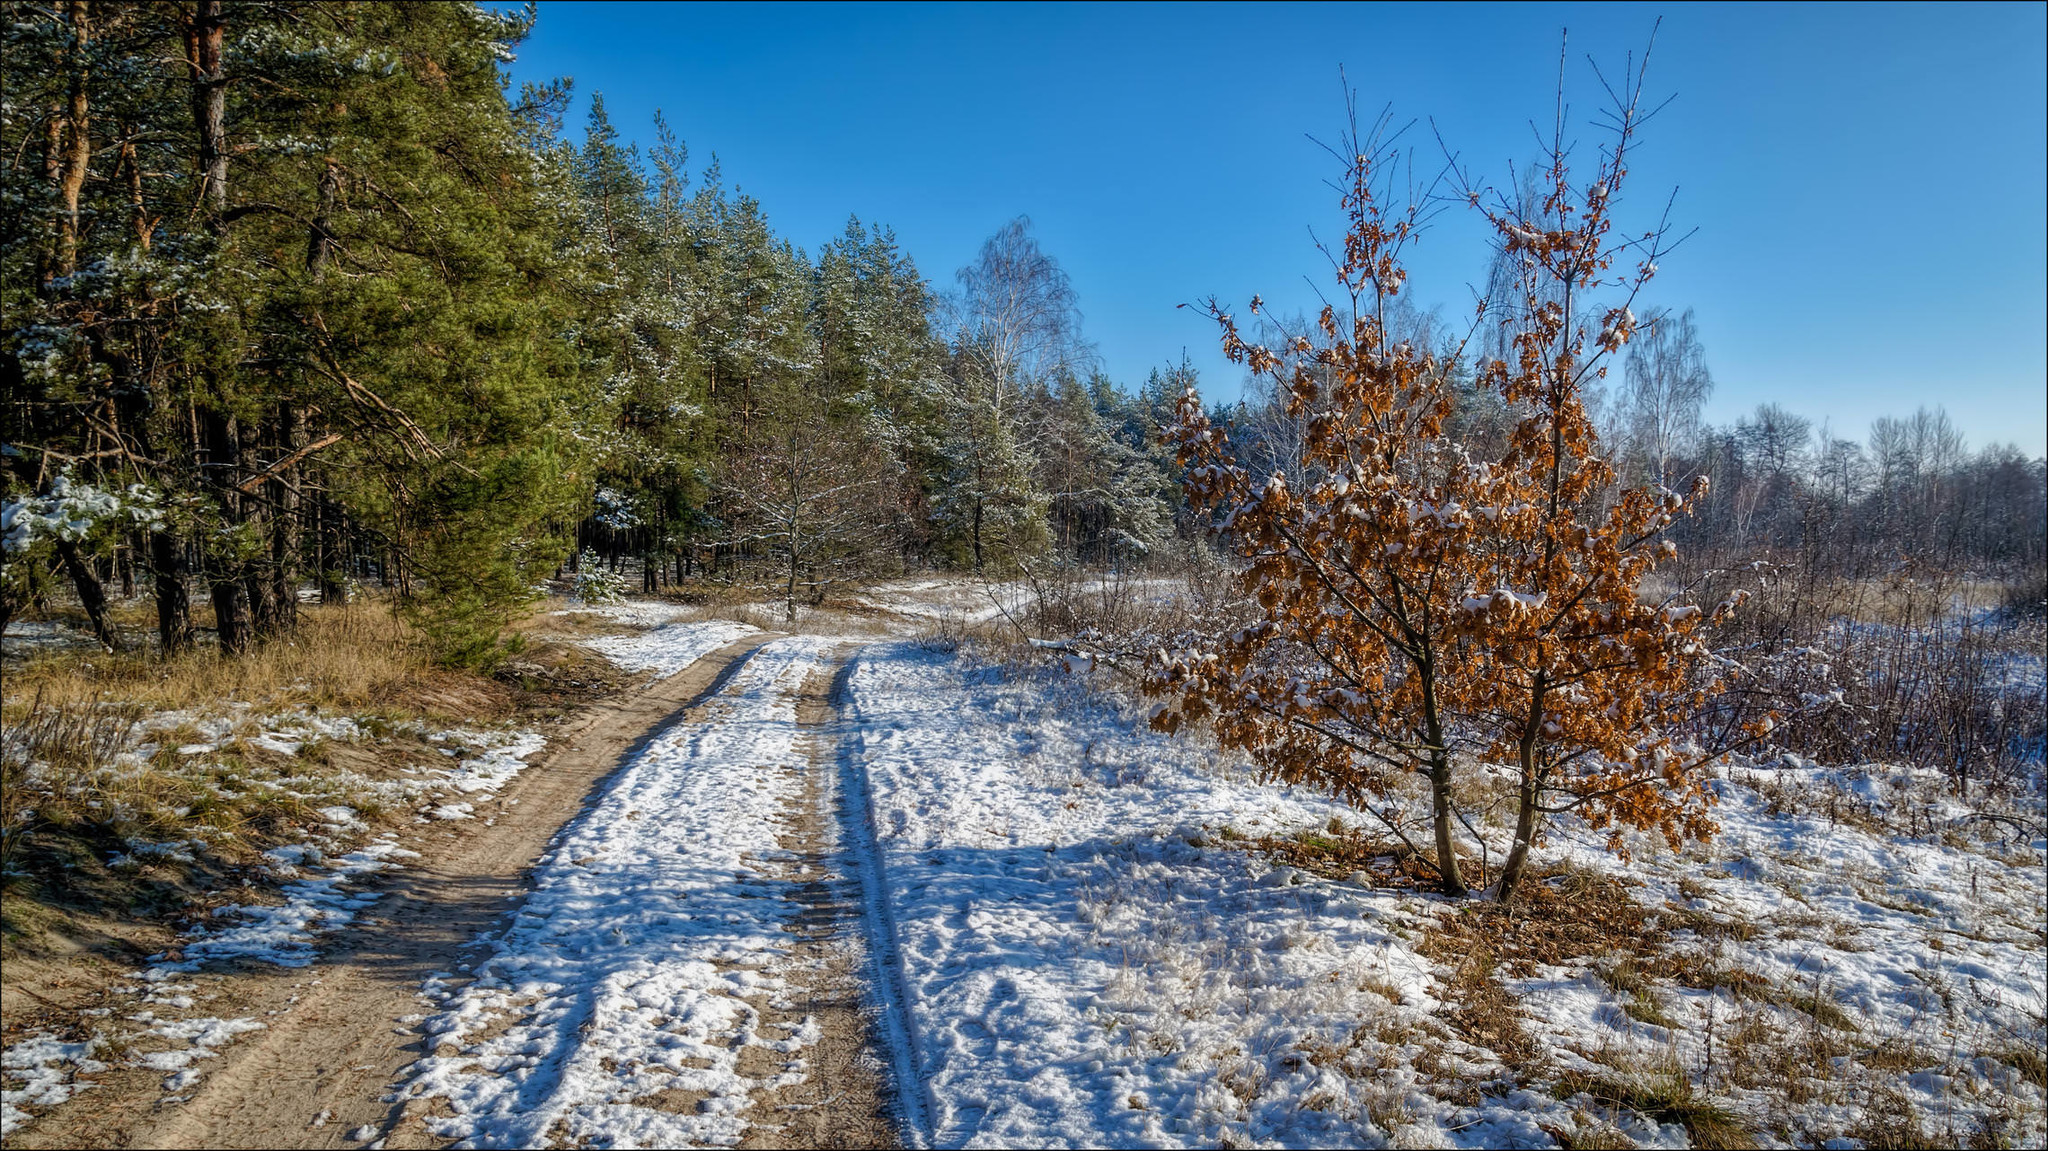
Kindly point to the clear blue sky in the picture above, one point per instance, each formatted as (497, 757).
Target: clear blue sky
(1867, 181)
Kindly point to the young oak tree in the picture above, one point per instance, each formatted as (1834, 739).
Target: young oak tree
(1422, 610)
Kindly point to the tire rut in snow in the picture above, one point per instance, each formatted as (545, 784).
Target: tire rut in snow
(860, 851)
(841, 1101)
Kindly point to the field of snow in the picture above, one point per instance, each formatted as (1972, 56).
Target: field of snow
(1085, 960)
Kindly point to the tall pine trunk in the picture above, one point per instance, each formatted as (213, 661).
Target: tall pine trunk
(285, 524)
(76, 157)
(173, 603)
(204, 35)
(228, 582)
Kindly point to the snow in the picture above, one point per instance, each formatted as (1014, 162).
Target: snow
(670, 647)
(1078, 961)
(1076, 970)
(638, 964)
(47, 1068)
(70, 510)
(633, 613)
(285, 935)
(1070, 943)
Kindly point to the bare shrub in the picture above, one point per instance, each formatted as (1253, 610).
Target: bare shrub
(1904, 670)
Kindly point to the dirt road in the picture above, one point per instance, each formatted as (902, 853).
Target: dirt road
(339, 1034)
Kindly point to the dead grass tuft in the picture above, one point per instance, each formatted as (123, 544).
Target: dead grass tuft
(1590, 1134)
(1340, 852)
(1889, 1123)
(2029, 1060)
(1664, 1093)
(1561, 916)
(1478, 1007)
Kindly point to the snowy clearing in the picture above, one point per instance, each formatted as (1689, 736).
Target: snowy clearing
(1086, 962)
(670, 647)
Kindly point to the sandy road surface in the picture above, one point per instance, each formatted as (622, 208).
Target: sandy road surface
(325, 1062)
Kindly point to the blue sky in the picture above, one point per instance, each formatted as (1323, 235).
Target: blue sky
(1867, 181)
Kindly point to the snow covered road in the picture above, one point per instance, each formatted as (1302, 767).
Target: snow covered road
(634, 1000)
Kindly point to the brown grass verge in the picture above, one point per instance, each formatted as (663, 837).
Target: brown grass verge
(341, 656)
(88, 830)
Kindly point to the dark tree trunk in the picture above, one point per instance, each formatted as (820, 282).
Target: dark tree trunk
(173, 605)
(260, 514)
(224, 571)
(91, 593)
(332, 562)
(230, 617)
(262, 604)
(284, 525)
(319, 237)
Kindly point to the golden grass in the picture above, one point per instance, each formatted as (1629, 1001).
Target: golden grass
(358, 655)
(1663, 1092)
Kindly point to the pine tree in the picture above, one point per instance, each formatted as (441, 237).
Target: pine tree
(359, 324)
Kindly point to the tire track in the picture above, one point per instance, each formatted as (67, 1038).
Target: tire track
(862, 850)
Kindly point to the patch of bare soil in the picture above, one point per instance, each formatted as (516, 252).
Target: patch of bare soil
(337, 1033)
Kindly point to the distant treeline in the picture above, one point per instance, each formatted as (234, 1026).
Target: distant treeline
(302, 294)
(1912, 496)
(296, 293)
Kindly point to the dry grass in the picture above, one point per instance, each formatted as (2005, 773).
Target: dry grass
(93, 822)
(1591, 1134)
(1484, 1013)
(74, 795)
(353, 656)
(548, 619)
(2029, 1060)
(1663, 1092)
(1562, 915)
(1889, 1123)
(1341, 852)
